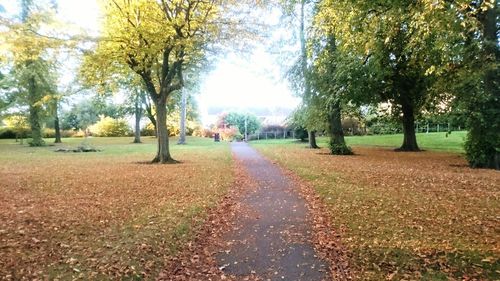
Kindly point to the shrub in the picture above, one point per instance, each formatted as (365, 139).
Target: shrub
(15, 125)
(203, 132)
(79, 134)
(173, 129)
(481, 152)
(110, 127)
(48, 133)
(51, 133)
(148, 130)
(339, 149)
(7, 133)
(301, 134)
(229, 134)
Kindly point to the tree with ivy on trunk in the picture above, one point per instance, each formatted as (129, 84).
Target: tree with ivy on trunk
(329, 90)
(475, 80)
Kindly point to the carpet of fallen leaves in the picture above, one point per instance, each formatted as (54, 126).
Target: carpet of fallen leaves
(103, 215)
(405, 216)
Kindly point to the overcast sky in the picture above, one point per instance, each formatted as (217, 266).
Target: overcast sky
(236, 81)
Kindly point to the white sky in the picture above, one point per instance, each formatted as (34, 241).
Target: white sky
(235, 82)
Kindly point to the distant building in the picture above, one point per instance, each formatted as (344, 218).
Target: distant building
(269, 116)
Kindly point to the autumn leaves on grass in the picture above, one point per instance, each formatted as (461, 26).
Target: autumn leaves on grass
(405, 216)
(103, 216)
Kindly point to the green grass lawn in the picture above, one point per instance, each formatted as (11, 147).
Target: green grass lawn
(103, 215)
(431, 141)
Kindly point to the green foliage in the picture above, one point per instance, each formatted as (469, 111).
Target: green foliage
(300, 133)
(110, 127)
(236, 119)
(29, 49)
(309, 117)
(476, 83)
(390, 51)
(87, 112)
(482, 150)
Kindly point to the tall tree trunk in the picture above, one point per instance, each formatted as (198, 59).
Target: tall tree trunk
(303, 50)
(304, 69)
(182, 137)
(409, 138)
(57, 128)
(34, 118)
(337, 140)
(312, 139)
(149, 111)
(137, 113)
(163, 150)
(492, 85)
(336, 131)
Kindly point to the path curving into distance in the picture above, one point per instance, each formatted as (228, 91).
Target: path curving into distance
(272, 238)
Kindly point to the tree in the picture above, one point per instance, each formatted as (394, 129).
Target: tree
(20, 125)
(399, 47)
(305, 118)
(157, 40)
(88, 112)
(329, 90)
(186, 103)
(240, 121)
(308, 95)
(138, 115)
(299, 74)
(31, 69)
(53, 110)
(476, 81)
(182, 137)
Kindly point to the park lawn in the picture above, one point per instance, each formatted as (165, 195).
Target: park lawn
(103, 215)
(404, 216)
(432, 141)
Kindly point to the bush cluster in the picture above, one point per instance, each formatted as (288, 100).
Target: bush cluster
(340, 149)
(110, 127)
(51, 133)
(7, 133)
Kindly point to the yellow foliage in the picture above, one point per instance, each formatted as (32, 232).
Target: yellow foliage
(110, 127)
(16, 122)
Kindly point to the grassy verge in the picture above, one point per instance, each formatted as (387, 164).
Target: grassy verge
(103, 215)
(404, 216)
(432, 141)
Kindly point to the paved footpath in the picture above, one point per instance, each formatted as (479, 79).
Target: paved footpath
(272, 238)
